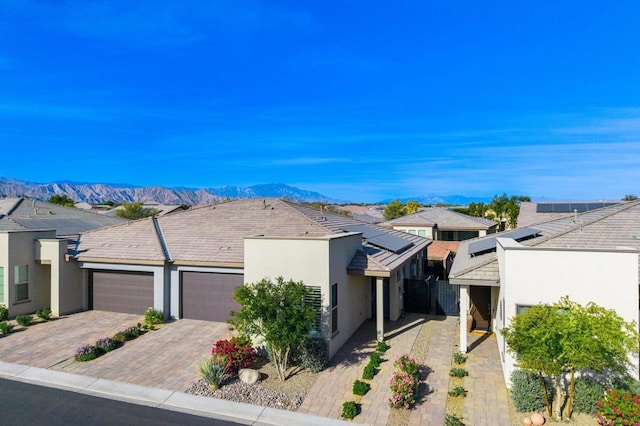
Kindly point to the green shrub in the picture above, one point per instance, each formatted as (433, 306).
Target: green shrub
(618, 408)
(131, 332)
(86, 353)
(586, 394)
(458, 372)
(382, 347)
(458, 391)
(4, 313)
(459, 357)
(214, 370)
(24, 320)
(349, 410)
(360, 388)
(6, 327)
(368, 372)
(106, 344)
(44, 314)
(627, 383)
(526, 392)
(119, 337)
(375, 359)
(314, 354)
(153, 316)
(408, 365)
(452, 420)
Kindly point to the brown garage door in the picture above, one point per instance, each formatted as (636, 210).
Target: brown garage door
(208, 296)
(128, 292)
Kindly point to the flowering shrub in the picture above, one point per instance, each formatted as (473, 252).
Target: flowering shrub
(619, 408)
(106, 344)
(408, 365)
(153, 316)
(238, 351)
(403, 390)
(131, 332)
(404, 382)
(86, 353)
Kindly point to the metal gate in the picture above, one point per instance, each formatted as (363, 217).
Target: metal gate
(446, 298)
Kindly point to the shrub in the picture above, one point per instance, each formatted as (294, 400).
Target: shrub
(86, 353)
(238, 351)
(452, 420)
(375, 360)
(4, 313)
(458, 391)
(408, 365)
(349, 410)
(24, 320)
(44, 314)
(459, 357)
(131, 332)
(586, 394)
(618, 408)
(526, 392)
(6, 327)
(382, 347)
(360, 388)
(106, 344)
(458, 372)
(627, 383)
(153, 316)
(404, 390)
(214, 370)
(368, 372)
(314, 354)
(119, 337)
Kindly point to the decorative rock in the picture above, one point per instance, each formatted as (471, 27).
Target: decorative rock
(537, 419)
(527, 421)
(248, 375)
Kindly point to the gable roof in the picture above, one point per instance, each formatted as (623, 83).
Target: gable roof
(215, 235)
(443, 219)
(24, 214)
(532, 213)
(609, 227)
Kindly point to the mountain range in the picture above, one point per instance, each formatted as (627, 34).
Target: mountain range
(96, 193)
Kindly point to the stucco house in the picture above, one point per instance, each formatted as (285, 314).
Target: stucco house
(34, 239)
(590, 257)
(188, 263)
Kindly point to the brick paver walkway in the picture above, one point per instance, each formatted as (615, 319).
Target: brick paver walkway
(486, 403)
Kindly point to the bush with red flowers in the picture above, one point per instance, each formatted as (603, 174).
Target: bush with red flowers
(619, 408)
(238, 351)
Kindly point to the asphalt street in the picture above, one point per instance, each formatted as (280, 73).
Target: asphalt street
(27, 404)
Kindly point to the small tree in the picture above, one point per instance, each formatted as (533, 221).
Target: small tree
(394, 210)
(411, 207)
(278, 313)
(61, 200)
(630, 197)
(135, 211)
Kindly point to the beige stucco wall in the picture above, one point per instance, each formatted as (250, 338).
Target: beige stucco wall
(317, 262)
(430, 231)
(532, 275)
(17, 248)
(67, 291)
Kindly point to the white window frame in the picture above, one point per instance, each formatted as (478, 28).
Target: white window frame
(21, 281)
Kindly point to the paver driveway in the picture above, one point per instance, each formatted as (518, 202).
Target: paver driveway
(47, 344)
(166, 358)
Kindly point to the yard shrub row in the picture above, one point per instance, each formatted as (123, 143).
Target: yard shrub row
(107, 344)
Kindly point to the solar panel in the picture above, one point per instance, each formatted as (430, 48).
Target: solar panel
(380, 238)
(489, 244)
(569, 207)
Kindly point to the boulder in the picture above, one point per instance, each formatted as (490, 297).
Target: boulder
(249, 375)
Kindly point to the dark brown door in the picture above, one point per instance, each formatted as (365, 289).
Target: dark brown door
(481, 306)
(127, 292)
(209, 296)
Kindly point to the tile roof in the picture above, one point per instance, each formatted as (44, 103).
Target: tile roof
(215, 234)
(20, 214)
(608, 227)
(444, 219)
(529, 214)
(439, 250)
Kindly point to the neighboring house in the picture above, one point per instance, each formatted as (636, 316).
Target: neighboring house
(438, 223)
(590, 257)
(532, 212)
(34, 240)
(161, 208)
(188, 264)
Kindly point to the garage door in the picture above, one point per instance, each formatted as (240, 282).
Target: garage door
(208, 296)
(128, 292)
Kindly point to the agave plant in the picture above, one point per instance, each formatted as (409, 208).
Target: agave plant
(214, 370)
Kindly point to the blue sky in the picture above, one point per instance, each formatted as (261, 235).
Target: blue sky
(357, 100)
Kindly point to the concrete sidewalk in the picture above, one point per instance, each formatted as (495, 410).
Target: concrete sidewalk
(160, 398)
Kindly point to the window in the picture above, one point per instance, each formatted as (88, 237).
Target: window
(412, 231)
(521, 308)
(2, 285)
(314, 298)
(21, 280)
(334, 308)
(422, 233)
